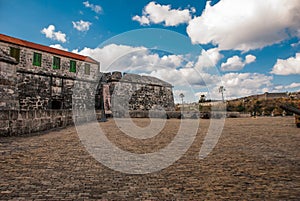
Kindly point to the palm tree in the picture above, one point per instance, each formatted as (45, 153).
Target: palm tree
(221, 90)
(181, 95)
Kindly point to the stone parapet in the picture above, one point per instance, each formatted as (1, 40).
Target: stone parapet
(22, 122)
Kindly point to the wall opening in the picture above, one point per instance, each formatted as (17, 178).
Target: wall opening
(56, 104)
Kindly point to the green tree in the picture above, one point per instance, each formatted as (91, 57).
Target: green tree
(240, 108)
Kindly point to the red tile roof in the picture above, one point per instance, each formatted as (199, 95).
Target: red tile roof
(51, 50)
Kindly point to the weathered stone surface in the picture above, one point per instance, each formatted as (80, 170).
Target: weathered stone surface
(134, 78)
(35, 98)
(4, 57)
(116, 76)
(133, 92)
(24, 122)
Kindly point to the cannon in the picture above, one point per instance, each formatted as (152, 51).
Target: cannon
(293, 110)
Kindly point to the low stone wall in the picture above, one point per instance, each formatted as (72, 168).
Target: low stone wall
(23, 122)
(18, 122)
(154, 114)
(185, 115)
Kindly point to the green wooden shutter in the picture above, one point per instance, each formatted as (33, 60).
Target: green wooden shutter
(73, 66)
(15, 53)
(37, 59)
(87, 68)
(56, 63)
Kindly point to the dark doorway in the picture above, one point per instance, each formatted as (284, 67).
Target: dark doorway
(56, 104)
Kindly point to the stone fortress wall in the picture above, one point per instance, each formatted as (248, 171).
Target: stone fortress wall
(36, 97)
(134, 92)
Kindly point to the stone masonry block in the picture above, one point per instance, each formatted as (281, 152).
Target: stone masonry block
(4, 123)
(4, 114)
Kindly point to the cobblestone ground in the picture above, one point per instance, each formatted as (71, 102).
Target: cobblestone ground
(255, 159)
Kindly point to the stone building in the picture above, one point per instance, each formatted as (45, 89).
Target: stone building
(36, 84)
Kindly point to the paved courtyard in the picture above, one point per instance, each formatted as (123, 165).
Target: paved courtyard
(255, 159)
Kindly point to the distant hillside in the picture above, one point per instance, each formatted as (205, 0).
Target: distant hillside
(265, 104)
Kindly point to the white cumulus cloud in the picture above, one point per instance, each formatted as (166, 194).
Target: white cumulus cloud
(208, 59)
(235, 63)
(109, 54)
(287, 87)
(250, 58)
(236, 84)
(288, 66)
(58, 46)
(156, 14)
(54, 35)
(188, 77)
(293, 85)
(143, 20)
(82, 25)
(246, 25)
(171, 68)
(245, 84)
(93, 7)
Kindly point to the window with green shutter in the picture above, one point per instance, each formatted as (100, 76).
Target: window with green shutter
(87, 68)
(37, 59)
(73, 66)
(56, 63)
(15, 53)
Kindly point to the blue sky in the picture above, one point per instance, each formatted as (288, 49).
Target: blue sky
(252, 44)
